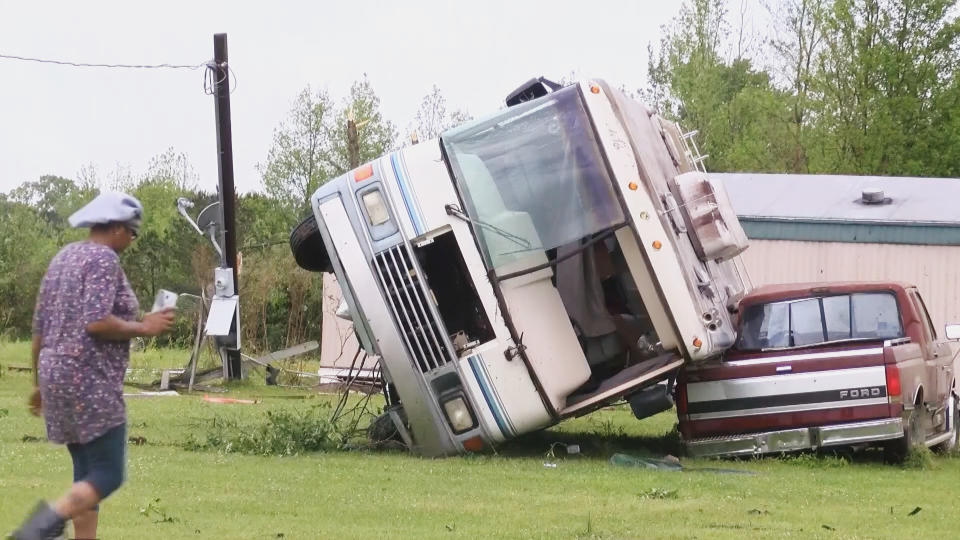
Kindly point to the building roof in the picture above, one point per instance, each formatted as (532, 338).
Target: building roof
(829, 208)
(834, 197)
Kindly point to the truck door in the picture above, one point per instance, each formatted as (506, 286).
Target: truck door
(937, 354)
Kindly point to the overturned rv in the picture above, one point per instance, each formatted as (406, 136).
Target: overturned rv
(534, 265)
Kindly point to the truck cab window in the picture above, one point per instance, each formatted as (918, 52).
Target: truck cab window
(812, 321)
(876, 316)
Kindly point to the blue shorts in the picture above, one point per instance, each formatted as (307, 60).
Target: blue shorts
(102, 461)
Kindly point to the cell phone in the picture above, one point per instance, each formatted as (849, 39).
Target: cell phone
(165, 299)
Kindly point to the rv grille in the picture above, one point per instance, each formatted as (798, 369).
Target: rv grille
(405, 292)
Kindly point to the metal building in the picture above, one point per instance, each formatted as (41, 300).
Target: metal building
(819, 227)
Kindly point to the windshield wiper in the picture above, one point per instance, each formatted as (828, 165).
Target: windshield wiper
(453, 210)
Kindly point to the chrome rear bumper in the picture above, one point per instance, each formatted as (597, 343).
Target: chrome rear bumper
(796, 439)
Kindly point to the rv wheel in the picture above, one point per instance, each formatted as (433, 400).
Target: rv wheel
(307, 247)
(383, 433)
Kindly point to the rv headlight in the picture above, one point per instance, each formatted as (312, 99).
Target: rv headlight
(377, 211)
(458, 414)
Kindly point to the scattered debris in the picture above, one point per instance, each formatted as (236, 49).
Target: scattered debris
(827, 527)
(19, 368)
(162, 393)
(668, 463)
(229, 400)
(571, 449)
(758, 512)
(157, 513)
(658, 493)
(138, 440)
(29, 438)
(915, 511)
(549, 465)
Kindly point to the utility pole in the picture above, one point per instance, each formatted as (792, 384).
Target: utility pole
(229, 345)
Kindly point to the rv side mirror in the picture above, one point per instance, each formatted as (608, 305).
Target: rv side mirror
(953, 331)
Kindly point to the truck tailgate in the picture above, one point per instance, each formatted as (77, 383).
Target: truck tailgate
(800, 390)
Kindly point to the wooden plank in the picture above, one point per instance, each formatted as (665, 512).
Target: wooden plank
(20, 368)
(287, 353)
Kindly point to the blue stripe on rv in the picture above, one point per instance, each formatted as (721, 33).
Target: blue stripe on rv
(405, 191)
(488, 396)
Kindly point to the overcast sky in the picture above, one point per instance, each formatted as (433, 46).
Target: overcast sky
(57, 119)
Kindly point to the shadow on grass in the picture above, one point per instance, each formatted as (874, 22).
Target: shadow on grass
(601, 443)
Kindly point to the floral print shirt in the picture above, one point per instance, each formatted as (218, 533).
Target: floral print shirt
(80, 376)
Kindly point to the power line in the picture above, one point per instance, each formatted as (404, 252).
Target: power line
(85, 64)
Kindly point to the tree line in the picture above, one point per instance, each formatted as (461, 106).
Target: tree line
(826, 86)
(281, 304)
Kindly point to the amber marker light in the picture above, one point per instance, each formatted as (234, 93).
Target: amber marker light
(363, 173)
(657, 244)
(595, 89)
(697, 343)
(473, 444)
(633, 186)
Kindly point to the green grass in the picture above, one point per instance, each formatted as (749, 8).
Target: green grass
(175, 493)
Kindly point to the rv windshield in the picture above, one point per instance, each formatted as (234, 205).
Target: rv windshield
(533, 178)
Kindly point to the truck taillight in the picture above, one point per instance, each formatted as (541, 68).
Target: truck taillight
(893, 381)
(682, 398)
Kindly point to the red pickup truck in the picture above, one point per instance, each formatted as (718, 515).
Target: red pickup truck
(821, 365)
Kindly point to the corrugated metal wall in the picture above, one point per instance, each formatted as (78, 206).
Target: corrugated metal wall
(934, 269)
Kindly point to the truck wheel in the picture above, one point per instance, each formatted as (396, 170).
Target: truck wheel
(307, 247)
(953, 409)
(896, 451)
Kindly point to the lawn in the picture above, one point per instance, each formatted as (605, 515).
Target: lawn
(173, 492)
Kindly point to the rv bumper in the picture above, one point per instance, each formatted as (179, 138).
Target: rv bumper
(795, 439)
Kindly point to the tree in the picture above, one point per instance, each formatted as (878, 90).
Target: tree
(299, 160)
(796, 46)
(375, 134)
(737, 111)
(311, 146)
(54, 199)
(432, 117)
(888, 80)
(27, 242)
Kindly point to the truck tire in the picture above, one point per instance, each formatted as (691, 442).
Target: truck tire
(897, 450)
(951, 444)
(307, 246)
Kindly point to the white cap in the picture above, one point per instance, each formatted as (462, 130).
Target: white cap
(109, 207)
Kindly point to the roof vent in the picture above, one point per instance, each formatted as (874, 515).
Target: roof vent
(873, 196)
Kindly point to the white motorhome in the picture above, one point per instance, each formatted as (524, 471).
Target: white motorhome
(532, 265)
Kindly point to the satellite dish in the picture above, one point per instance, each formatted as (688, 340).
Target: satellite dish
(210, 216)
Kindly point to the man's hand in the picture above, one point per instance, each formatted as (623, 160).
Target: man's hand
(156, 323)
(35, 402)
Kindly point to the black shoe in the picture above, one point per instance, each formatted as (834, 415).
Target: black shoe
(43, 524)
